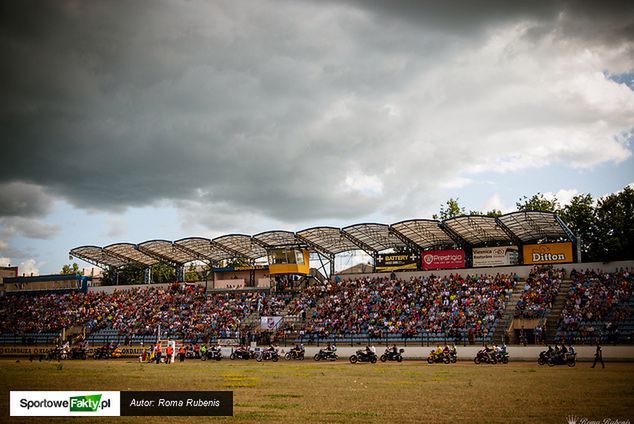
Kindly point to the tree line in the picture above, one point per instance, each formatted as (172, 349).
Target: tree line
(604, 227)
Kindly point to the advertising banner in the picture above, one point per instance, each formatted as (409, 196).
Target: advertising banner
(495, 256)
(386, 262)
(443, 259)
(548, 253)
(269, 323)
(127, 351)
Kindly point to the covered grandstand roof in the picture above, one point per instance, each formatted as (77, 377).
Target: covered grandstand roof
(97, 256)
(246, 246)
(278, 238)
(166, 251)
(204, 249)
(478, 229)
(329, 240)
(376, 237)
(424, 233)
(129, 252)
(473, 230)
(535, 225)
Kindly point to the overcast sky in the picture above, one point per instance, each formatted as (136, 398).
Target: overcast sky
(125, 121)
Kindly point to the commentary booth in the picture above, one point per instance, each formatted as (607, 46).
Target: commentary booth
(288, 257)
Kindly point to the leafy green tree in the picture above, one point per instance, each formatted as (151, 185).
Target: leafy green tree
(451, 209)
(580, 216)
(72, 269)
(615, 222)
(126, 275)
(191, 274)
(493, 212)
(235, 262)
(537, 202)
(163, 273)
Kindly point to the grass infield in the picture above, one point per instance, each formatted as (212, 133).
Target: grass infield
(298, 392)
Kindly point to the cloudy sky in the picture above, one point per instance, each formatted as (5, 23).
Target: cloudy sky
(124, 121)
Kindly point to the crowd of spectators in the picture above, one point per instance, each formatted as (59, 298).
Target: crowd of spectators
(459, 307)
(456, 306)
(181, 311)
(597, 303)
(540, 289)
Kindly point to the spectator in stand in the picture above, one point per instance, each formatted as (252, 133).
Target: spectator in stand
(596, 299)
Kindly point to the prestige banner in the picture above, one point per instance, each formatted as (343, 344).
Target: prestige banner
(443, 259)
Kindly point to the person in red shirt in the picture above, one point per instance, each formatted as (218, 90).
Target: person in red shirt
(170, 353)
(158, 352)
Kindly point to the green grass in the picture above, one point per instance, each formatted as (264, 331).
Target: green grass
(344, 393)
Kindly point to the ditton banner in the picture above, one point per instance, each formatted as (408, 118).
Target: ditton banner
(386, 262)
(439, 259)
(495, 256)
(548, 253)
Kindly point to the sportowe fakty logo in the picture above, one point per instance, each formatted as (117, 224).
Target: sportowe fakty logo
(84, 403)
(56, 403)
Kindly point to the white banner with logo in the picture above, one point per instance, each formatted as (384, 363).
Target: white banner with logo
(495, 256)
(64, 404)
(269, 323)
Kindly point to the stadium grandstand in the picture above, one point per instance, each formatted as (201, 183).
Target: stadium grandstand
(469, 280)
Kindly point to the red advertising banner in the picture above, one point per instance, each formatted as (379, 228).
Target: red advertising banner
(438, 259)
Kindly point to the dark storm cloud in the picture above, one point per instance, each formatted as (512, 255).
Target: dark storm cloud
(24, 200)
(611, 21)
(288, 110)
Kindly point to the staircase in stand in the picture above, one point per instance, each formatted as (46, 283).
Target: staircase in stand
(508, 314)
(552, 321)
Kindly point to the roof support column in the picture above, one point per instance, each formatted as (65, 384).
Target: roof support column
(180, 272)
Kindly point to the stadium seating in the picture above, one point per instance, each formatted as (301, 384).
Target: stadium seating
(599, 308)
(464, 309)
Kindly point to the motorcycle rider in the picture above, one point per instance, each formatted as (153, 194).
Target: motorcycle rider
(438, 351)
(445, 350)
(298, 349)
(488, 352)
(215, 350)
(564, 351)
(368, 351)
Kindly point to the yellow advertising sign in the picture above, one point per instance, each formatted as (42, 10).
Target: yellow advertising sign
(548, 253)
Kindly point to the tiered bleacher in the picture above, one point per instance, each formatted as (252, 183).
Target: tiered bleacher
(183, 312)
(540, 289)
(358, 310)
(599, 308)
(432, 309)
